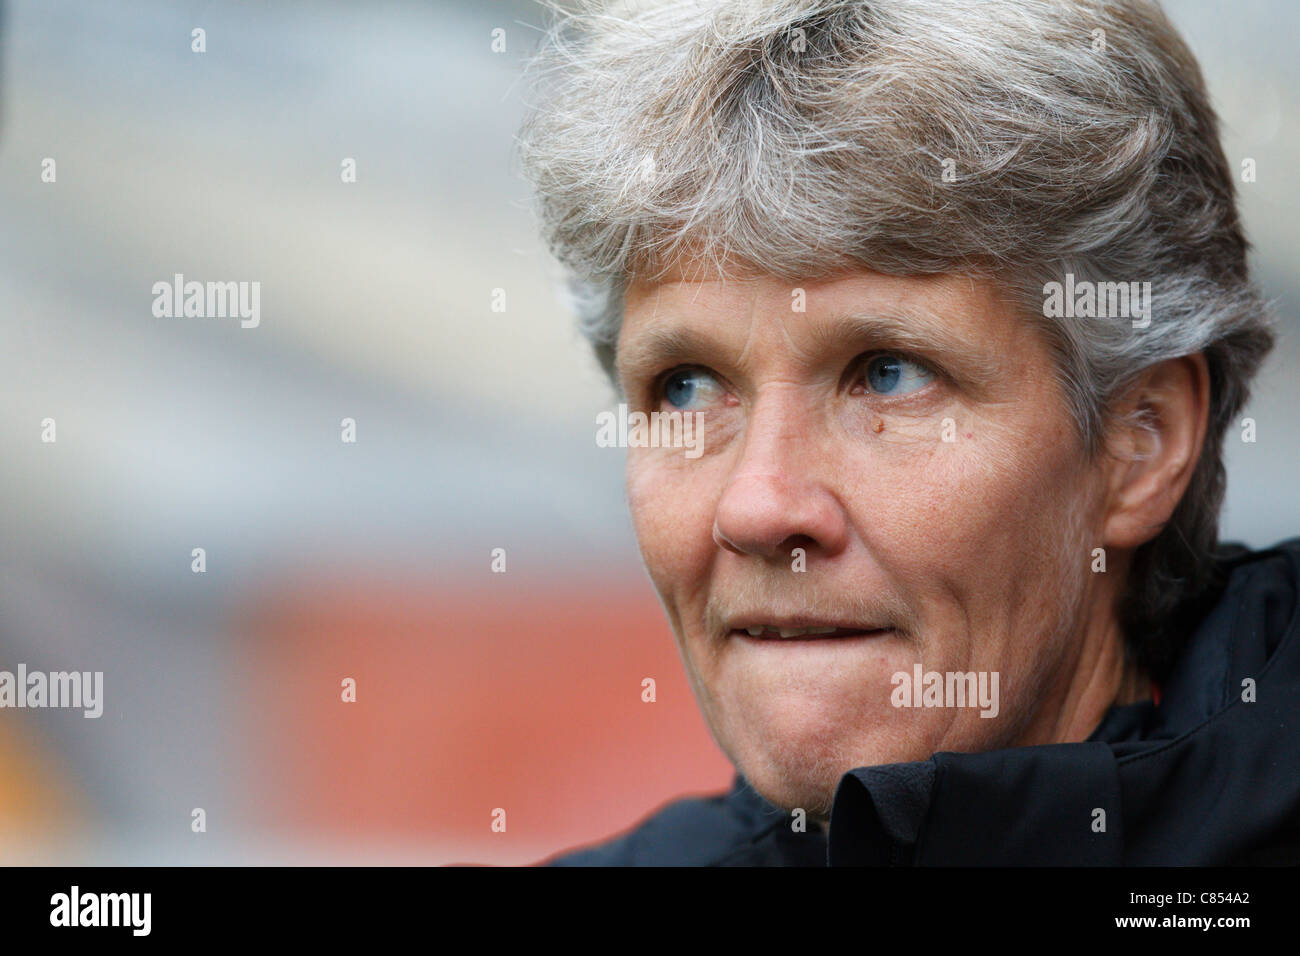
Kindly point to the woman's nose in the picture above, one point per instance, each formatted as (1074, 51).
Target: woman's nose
(777, 497)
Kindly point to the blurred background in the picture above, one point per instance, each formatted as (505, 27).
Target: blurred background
(327, 560)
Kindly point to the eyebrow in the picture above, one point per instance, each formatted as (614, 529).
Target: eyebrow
(662, 347)
(921, 333)
(925, 333)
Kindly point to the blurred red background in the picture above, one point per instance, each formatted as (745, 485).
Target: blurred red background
(470, 699)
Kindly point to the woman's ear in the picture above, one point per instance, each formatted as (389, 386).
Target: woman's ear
(1155, 442)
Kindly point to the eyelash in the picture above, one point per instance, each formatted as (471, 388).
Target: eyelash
(856, 371)
(657, 396)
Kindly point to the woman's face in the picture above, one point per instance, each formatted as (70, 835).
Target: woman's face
(896, 462)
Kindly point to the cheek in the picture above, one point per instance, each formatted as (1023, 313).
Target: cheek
(986, 534)
(672, 513)
(1019, 501)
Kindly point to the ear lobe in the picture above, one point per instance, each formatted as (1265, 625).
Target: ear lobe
(1157, 434)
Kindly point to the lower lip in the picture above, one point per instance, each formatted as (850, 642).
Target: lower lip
(815, 638)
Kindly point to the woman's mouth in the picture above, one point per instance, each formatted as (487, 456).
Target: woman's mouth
(773, 632)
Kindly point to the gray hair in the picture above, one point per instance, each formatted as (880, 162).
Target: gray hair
(805, 138)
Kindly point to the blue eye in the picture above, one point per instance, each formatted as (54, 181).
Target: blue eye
(895, 375)
(687, 385)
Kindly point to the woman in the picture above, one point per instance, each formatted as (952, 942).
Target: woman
(959, 293)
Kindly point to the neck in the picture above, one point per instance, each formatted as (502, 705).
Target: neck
(1104, 675)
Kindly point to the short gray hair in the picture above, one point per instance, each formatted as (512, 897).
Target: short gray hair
(804, 138)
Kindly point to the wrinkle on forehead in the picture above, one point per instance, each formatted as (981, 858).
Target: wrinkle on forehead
(758, 318)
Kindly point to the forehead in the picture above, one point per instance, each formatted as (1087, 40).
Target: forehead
(685, 283)
(947, 308)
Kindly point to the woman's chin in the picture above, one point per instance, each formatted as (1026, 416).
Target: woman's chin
(795, 757)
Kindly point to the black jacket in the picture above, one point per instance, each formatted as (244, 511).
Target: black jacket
(1204, 778)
